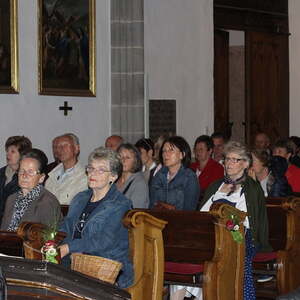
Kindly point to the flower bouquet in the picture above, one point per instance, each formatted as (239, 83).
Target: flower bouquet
(233, 225)
(49, 248)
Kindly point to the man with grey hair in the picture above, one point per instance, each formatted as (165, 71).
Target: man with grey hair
(68, 178)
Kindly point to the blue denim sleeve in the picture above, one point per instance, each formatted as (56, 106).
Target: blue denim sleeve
(191, 193)
(153, 192)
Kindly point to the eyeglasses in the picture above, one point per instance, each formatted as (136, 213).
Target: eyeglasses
(29, 173)
(233, 159)
(100, 171)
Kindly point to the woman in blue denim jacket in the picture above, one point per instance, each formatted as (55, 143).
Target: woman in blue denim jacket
(175, 186)
(94, 221)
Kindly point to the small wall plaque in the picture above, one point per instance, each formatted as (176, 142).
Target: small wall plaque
(162, 117)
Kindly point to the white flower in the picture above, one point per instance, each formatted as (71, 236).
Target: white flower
(52, 251)
(236, 227)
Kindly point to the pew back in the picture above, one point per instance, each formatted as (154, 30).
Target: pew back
(11, 243)
(288, 261)
(146, 244)
(277, 227)
(202, 238)
(180, 235)
(32, 236)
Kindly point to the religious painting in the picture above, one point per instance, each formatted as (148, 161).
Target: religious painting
(9, 75)
(67, 47)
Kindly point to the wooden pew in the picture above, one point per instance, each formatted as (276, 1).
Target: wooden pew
(147, 251)
(194, 238)
(284, 233)
(146, 245)
(32, 279)
(26, 242)
(11, 244)
(32, 237)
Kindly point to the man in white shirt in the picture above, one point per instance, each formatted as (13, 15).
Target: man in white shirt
(68, 178)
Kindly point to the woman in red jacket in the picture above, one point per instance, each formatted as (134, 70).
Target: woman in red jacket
(207, 169)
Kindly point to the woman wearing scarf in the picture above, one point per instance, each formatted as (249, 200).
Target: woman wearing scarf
(245, 194)
(32, 203)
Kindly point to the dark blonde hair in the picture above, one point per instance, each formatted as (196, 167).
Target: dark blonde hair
(138, 165)
(22, 142)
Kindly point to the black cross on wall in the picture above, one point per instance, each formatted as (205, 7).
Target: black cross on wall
(65, 108)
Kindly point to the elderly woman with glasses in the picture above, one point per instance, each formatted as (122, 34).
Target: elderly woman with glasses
(94, 221)
(32, 203)
(246, 194)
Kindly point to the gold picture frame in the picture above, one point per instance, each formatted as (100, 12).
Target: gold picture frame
(9, 63)
(67, 48)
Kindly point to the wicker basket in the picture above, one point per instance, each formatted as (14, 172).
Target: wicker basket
(96, 266)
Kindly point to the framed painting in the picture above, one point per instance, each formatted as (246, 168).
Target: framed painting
(67, 48)
(9, 67)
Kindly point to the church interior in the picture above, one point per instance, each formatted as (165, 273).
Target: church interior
(178, 63)
(145, 69)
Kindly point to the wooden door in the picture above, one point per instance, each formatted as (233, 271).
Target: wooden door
(221, 82)
(267, 85)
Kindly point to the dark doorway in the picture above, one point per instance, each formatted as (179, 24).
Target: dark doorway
(266, 68)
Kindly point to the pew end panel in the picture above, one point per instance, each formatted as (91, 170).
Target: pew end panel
(224, 274)
(146, 245)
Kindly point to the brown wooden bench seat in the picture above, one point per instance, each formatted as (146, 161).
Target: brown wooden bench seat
(11, 244)
(146, 245)
(200, 243)
(284, 262)
(26, 242)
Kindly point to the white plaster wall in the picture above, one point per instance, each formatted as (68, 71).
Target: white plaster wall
(294, 23)
(236, 38)
(179, 60)
(37, 116)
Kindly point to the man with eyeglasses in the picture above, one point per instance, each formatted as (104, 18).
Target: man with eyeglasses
(68, 178)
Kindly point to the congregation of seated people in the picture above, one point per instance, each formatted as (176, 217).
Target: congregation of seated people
(160, 175)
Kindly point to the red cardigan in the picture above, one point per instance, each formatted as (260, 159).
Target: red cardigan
(211, 172)
(293, 176)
